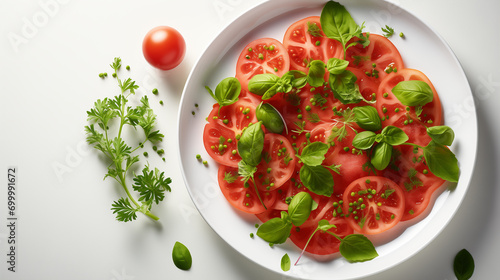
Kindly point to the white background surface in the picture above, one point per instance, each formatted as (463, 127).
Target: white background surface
(49, 80)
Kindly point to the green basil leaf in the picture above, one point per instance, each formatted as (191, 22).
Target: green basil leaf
(394, 135)
(261, 83)
(317, 179)
(270, 92)
(413, 93)
(314, 153)
(344, 87)
(441, 161)
(324, 225)
(443, 134)
(300, 208)
(270, 117)
(367, 118)
(228, 91)
(299, 79)
(336, 66)
(337, 23)
(251, 144)
(463, 265)
(381, 155)
(364, 140)
(181, 256)
(316, 75)
(357, 248)
(275, 230)
(285, 263)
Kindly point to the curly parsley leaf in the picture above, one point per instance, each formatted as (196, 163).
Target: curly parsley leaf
(124, 210)
(388, 31)
(151, 185)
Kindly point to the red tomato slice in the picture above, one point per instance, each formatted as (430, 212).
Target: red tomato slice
(414, 177)
(304, 44)
(322, 243)
(241, 197)
(380, 52)
(222, 128)
(261, 56)
(373, 204)
(278, 162)
(431, 112)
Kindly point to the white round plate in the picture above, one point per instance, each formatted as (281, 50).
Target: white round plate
(421, 49)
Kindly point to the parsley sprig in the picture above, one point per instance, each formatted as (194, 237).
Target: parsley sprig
(150, 184)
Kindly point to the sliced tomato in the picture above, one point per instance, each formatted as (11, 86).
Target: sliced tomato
(380, 53)
(243, 197)
(322, 243)
(219, 135)
(305, 41)
(277, 164)
(389, 106)
(411, 173)
(373, 204)
(261, 56)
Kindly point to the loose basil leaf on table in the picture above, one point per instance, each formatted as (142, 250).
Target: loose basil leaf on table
(413, 93)
(463, 265)
(181, 256)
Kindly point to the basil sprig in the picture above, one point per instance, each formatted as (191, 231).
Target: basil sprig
(313, 175)
(267, 85)
(354, 247)
(338, 24)
(227, 91)
(277, 230)
(270, 117)
(250, 147)
(413, 93)
(382, 152)
(441, 161)
(343, 82)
